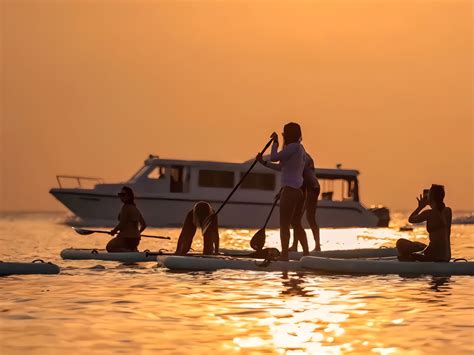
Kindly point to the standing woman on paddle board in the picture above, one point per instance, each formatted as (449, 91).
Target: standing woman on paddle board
(312, 190)
(128, 230)
(438, 223)
(291, 163)
(194, 219)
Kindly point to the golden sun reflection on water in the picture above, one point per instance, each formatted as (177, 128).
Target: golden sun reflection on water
(331, 239)
(295, 327)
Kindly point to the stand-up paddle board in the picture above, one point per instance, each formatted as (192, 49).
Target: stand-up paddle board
(380, 267)
(35, 267)
(212, 263)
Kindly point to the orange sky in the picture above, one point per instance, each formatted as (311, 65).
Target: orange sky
(92, 87)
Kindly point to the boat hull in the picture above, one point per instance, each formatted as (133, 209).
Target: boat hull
(103, 209)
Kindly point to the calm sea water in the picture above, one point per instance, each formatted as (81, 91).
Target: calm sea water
(106, 307)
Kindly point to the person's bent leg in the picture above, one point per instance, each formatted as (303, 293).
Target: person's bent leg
(131, 244)
(186, 236)
(113, 245)
(406, 247)
(208, 247)
(117, 245)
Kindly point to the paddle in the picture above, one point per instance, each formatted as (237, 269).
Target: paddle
(90, 231)
(258, 240)
(210, 219)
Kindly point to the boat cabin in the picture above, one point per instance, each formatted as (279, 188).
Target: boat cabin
(160, 176)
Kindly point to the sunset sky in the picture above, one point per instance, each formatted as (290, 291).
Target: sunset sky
(92, 87)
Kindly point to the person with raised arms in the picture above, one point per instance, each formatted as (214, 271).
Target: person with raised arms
(131, 225)
(438, 224)
(291, 162)
(194, 220)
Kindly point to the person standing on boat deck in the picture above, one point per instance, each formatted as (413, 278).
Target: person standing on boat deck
(438, 223)
(128, 230)
(194, 219)
(291, 164)
(312, 190)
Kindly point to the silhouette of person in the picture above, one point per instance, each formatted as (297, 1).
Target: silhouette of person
(312, 190)
(291, 163)
(438, 224)
(193, 220)
(128, 229)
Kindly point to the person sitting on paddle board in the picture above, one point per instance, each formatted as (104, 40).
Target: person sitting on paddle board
(438, 224)
(291, 164)
(312, 190)
(128, 228)
(194, 220)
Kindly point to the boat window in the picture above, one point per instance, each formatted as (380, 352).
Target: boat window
(158, 173)
(259, 181)
(216, 178)
(179, 179)
(339, 190)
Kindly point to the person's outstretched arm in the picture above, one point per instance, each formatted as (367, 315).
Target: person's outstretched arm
(417, 216)
(273, 166)
(122, 219)
(268, 164)
(142, 222)
(186, 236)
(215, 239)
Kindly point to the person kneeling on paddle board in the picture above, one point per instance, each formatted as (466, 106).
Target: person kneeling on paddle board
(194, 219)
(128, 230)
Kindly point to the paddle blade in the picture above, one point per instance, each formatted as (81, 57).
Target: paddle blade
(82, 231)
(258, 240)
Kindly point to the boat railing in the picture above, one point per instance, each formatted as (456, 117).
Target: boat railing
(79, 179)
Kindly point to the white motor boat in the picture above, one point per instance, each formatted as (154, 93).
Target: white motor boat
(166, 190)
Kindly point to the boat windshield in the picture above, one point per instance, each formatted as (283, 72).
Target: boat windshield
(156, 173)
(139, 173)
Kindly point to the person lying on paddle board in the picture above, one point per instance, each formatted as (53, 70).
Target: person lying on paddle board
(291, 163)
(131, 225)
(438, 224)
(312, 190)
(194, 220)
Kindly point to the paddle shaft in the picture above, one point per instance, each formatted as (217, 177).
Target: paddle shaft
(243, 177)
(271, 211)
(141, 235)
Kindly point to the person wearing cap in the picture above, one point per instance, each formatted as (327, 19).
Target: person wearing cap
(131, 225)
(194, 220)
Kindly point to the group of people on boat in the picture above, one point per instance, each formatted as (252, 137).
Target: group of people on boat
(299, 192)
